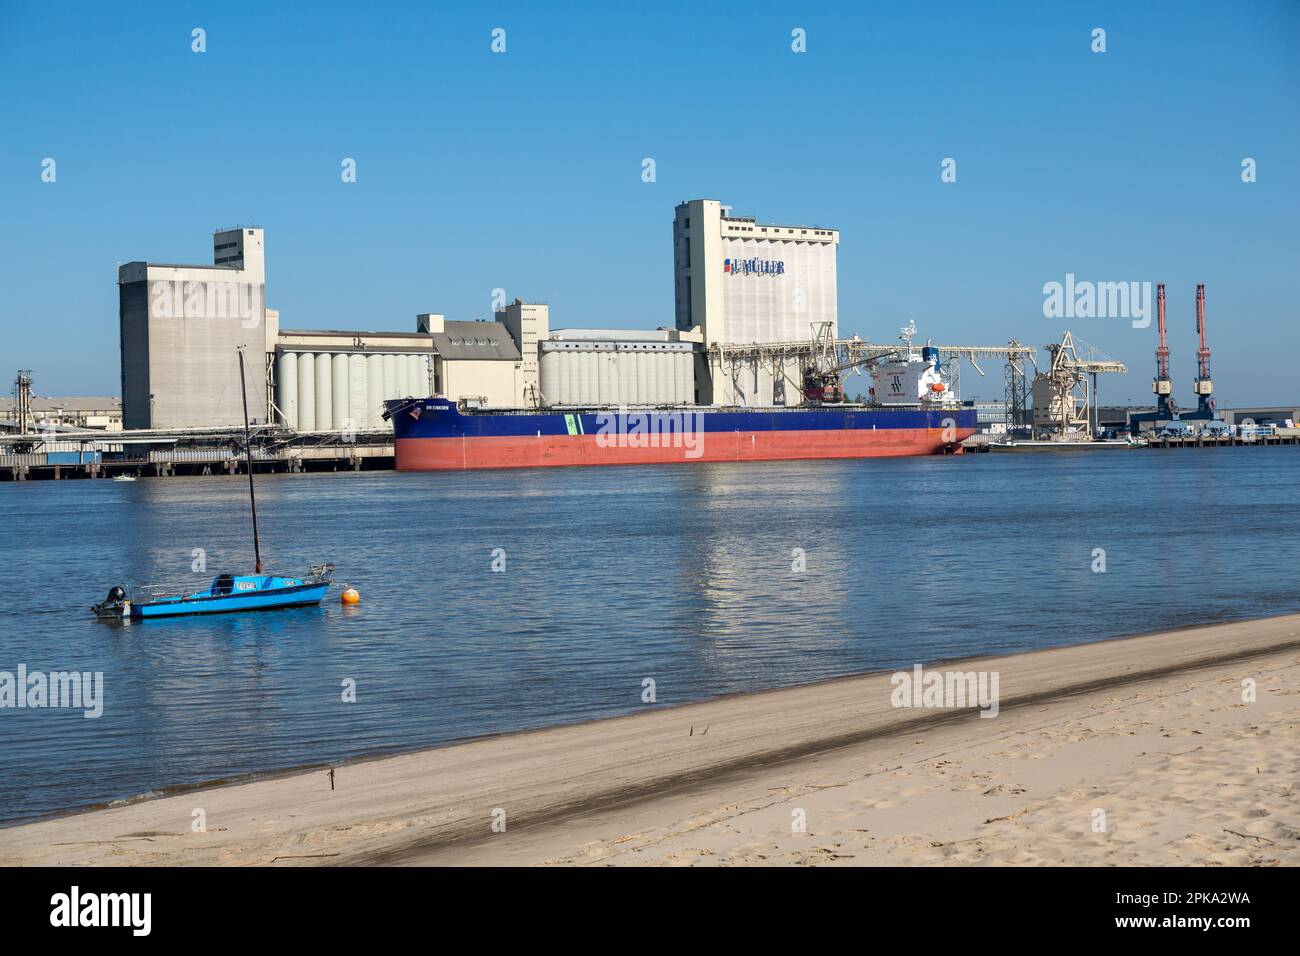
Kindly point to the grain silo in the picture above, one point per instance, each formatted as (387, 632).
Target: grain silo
(332, 387)
(606, 367)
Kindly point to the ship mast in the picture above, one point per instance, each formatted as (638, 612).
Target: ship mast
(248, 456)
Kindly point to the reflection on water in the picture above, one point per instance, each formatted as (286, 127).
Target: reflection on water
(686, 574)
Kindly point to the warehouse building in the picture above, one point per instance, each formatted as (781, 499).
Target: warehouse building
(1285, 417)
(744, 282)
(64, 413)
(478, 362)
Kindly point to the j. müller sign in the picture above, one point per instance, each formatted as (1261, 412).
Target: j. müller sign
(749, 267)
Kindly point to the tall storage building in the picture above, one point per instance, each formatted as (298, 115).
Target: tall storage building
(180, 326)
(742, 282)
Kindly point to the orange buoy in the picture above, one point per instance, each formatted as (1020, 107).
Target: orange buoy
(350, 596)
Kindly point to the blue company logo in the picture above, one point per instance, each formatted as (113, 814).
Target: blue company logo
(762, 267)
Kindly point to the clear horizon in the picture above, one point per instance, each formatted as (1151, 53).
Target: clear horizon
(523, 170)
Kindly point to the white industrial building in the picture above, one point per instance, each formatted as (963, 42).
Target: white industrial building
(740, 286)
(338, 381)
(180, 326)
(59, 413)
(743, 282)
(480, 363)
(617, 367)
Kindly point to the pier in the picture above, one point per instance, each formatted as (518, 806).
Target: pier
(166, 454)
(1222, 441)
(981, 443)
(169, 453)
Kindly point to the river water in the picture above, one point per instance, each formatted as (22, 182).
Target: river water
(706, 578)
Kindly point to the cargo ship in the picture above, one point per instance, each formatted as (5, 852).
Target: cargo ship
(911, 413)
(435, 434)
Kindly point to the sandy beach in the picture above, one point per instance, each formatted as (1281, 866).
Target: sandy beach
(1147, 750)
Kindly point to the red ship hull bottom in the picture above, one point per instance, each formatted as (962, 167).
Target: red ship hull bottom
(526, 451)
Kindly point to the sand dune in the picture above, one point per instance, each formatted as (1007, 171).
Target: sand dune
(1138, 751)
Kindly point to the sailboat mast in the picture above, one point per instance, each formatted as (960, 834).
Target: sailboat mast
(248, 456)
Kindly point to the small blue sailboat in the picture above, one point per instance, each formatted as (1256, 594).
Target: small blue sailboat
(228, 592)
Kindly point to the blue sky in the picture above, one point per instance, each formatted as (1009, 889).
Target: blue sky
(522, 170)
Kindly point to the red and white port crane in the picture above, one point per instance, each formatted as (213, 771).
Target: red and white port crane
(1203, 386)
(1162, 386)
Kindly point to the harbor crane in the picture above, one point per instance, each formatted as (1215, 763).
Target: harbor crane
(1163, 386)
(1065, 401)
(1166, 407)
(1203, 386)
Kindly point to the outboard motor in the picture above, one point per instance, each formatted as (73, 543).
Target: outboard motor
(113, 605)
